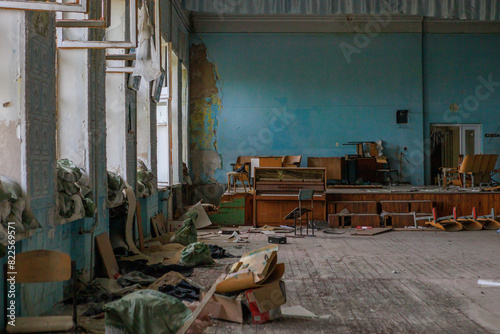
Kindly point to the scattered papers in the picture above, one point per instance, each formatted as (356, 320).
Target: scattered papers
(202, 220)
(297, 312)
(487, 282)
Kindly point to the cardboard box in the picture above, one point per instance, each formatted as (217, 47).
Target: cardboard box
(276, 239)
(228, 308)
(265, 302)
(256, 268)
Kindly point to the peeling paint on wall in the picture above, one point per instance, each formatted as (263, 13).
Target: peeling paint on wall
(10, 143)
(205, 109)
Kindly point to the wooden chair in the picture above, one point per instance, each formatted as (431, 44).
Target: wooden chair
(480, 165)
(41, 266)
(232, 177)
(242, 160)
(448, 172)
(488, 170)
(384, 167)
(292, 161)
(297, 213)
(271, 161)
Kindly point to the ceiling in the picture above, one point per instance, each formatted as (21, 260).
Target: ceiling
(477, 10)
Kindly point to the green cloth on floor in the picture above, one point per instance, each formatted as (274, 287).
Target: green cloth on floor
(196, 254)
(147, 312)
(187, 233)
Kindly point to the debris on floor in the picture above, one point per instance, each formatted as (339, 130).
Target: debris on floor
(372, 231)
(171, 278)
(196, 254)
(297, 312)
(146, 312)
(182, 290)
(187, 233)
(333, 231)
(490, 283)
(276, 239)
(218, 252)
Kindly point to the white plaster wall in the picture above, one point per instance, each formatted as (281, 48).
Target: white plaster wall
(11, 92)
(115, 122)
(72, 106)
(115, 95)
(143, 123)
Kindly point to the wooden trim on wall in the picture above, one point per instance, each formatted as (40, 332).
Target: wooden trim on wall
(341, 24)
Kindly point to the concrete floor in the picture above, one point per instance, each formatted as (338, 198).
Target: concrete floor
(397, 282)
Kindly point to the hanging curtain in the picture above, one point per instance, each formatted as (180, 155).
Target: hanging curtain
(484, 10)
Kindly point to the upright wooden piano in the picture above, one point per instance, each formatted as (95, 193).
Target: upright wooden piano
(277, 190)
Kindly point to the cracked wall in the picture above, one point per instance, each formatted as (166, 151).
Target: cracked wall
(205, 108)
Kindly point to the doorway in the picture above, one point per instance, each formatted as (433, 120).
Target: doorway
(448, 141)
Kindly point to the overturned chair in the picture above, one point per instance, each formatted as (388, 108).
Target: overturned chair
(42, 266)
(479, 168)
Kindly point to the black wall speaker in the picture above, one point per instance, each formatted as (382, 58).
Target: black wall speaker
(402, 117)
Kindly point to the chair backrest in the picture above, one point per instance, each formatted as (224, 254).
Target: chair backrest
(292, 159)
(40, 266)
(243, 160)
(383, 162)
(306, 194)
(247, 167)
(492, 162)
(479, 163)
(271, 162)
(467, 164)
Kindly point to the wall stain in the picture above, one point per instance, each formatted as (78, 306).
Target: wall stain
(205, 107)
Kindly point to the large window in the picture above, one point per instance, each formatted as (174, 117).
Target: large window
(170, 123)
(163, 146)
(185, 116)
(176, 111)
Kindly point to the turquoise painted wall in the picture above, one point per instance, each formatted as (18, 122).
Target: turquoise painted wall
(332, 101)
(327, 101)
(38, 299)
(456, 69)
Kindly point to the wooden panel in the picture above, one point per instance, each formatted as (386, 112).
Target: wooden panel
(421, 206)
(334, 221)
(271, 161)
(354, 220)
(367, 169)
(395, 206)
(443, 202)
(365, 220)
(107, 254)
(335, 166)
(292, 187)
(159, 224)
(272, 212)
(357, 206)
(399, 220)
(290, 174)
(249, 210)
(331, 208)
(42, 266)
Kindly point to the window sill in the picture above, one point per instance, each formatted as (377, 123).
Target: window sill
(164, 186)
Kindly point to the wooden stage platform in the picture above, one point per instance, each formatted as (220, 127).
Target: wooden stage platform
(389, 199)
